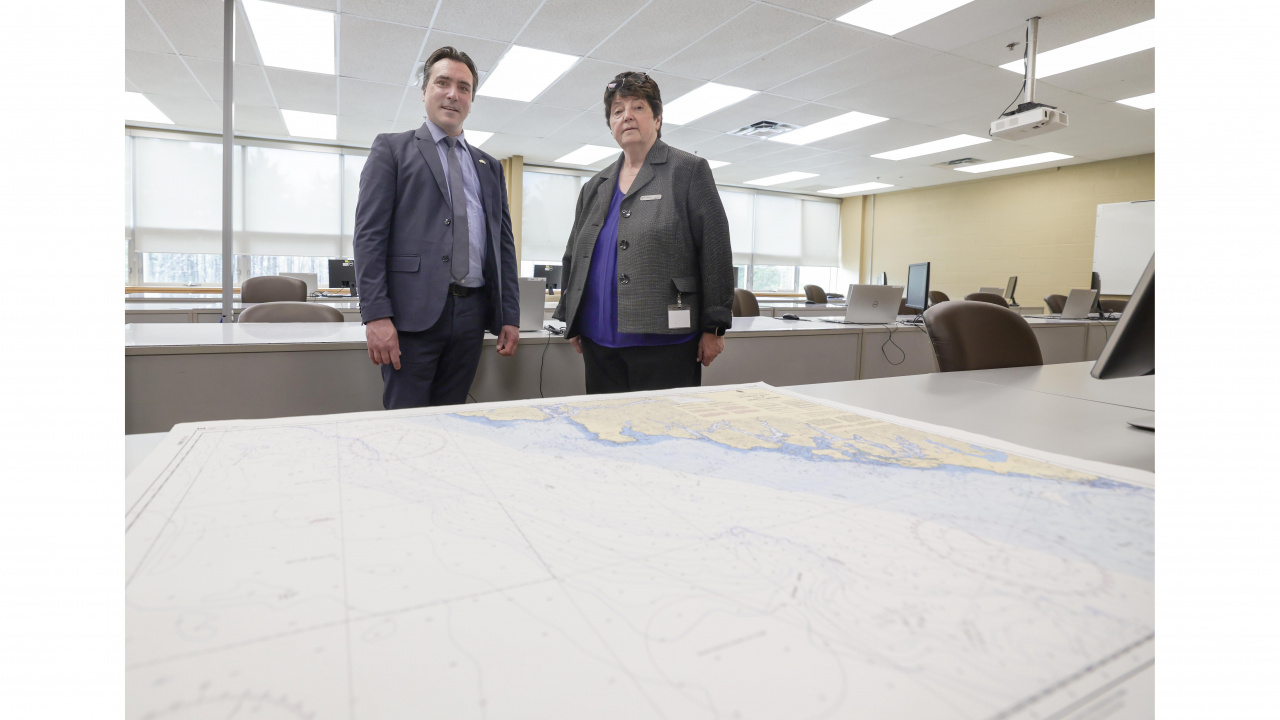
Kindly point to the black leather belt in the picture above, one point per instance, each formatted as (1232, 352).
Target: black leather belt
(461, 290)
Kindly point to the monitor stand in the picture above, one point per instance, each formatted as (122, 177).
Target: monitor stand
(1147, 422)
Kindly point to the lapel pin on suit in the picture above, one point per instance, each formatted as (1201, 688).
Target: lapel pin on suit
(482, 161)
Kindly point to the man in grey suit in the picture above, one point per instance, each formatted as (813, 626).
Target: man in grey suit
(435, 256)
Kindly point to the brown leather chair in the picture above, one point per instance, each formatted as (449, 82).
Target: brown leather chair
(937, 296)
(987, 298)
(273, 288)
(285, 311)
(1113, 306)
(814, 294)
(974, 335)
(745, 304)
(1055, 302)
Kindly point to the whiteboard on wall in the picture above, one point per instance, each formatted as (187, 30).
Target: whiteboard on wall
(1123, 241)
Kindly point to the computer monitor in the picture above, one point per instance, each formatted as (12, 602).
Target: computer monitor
(551, 273)
(1008, 289)
(883, 279)
(1095, 283)
(342, 274)
(1131, 351)
(918, 286)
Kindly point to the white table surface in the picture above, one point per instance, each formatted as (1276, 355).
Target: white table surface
(1084, 418)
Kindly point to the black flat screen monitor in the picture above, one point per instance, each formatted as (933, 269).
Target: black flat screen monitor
(918, 286)
(342, 274)
(1131, 351)
(1008, 289)
(552, 274)
(1095, 283)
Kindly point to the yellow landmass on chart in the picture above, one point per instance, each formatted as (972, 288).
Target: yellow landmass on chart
(757, 418)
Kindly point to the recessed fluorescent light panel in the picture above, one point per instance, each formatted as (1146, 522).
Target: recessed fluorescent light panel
(476, 138)
(937, 146)
(292, 37)
(1107, 46)
(588, 154)
(138, 107)
(312, 125)
(702, 101)
(893, 16)
(716, 163)
(851, 189)
(779, 179)
(524, 73)
(831, 127)
(1142, 102)
(1015, 162)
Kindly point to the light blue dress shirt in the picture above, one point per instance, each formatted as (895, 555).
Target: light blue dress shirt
(475, 206)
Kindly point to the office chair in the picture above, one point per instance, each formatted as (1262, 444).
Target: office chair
(273, 288)
(975, 335)
(1113, 306)
(287, 312)
(1055, 302)
(814, 294)
(987, 298)
(745, 303)
(937, 296)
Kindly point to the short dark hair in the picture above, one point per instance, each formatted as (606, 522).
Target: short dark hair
(449, 52)
(633, 85)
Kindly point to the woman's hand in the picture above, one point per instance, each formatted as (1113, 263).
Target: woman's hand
(709, 347)
(576, 342)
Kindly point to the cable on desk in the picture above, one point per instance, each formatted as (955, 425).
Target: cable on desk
(892, 328)
(543, 365)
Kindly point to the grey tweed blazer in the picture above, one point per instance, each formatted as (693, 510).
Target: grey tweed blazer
(673, 237)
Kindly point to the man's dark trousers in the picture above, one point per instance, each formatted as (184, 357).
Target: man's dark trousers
(438, 365)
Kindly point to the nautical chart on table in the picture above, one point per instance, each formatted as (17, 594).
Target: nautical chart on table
(711, 552)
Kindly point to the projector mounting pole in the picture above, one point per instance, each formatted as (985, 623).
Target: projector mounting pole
(1033, 30)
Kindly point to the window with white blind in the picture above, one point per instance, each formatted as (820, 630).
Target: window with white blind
(779, 242)
(292, 210)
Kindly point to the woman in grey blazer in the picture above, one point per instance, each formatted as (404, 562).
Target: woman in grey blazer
(648, 271)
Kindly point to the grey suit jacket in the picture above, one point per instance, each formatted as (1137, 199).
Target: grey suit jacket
(402, 242)
(673, 237)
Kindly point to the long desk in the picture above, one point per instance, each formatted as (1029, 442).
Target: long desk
(195, 371)
(207, 311)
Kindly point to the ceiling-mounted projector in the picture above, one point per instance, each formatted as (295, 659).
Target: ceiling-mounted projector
(1030, 118)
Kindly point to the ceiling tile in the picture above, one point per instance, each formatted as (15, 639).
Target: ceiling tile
(534, 121)
(140, 33)
(813, 50)
(246, 52)
(586, 129)
(720, 144)
(330, 5)
(582, 86)
(572, 26)
(361, 131)
(486, 113)
(762, 106)
(250, 83)
(193, 26)
(970, 23)
(190, 112)
(1117, 79)
(749, 35)
(663, 29)
(409, 12)
(886, 56)
(161, 74)
(259, 120)
(687, 138)
(828, 9)
(309, 92)
(489, 19)
(1072, 24)
(379, 51)
(370, 101)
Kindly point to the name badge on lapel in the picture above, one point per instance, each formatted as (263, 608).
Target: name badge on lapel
(678, 315)
(650, 197)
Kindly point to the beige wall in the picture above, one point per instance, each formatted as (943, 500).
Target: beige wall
(1037, 225)
(513, 169)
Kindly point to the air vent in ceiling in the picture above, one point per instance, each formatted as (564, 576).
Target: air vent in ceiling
(961, 162)
(764, 129)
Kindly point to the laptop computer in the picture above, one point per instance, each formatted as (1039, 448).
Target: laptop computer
(311, 279)
(992, 290)
(1078, 304)
(870, 305)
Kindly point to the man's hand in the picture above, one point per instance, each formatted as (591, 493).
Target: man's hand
(508, 339)
(576, 342)
(383, 342)
(709, 347)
